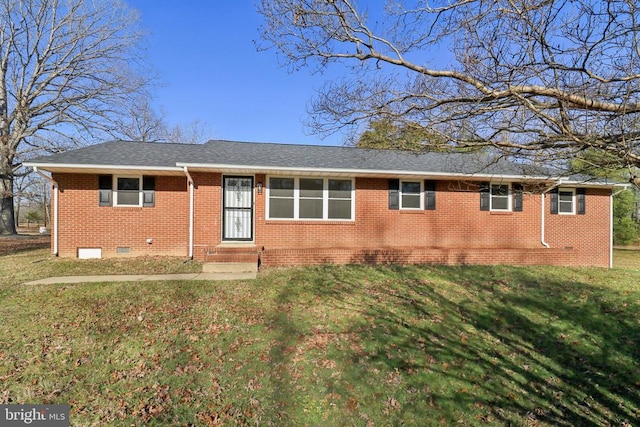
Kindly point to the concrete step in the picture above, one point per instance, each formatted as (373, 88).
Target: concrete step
(230, 267)
(233, 258)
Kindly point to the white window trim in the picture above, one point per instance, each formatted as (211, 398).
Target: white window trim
(509, 197)
(573, 200)
(421, 204)
(325, 199)
(115, 191)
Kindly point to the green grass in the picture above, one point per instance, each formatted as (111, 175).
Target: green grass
(325, 345)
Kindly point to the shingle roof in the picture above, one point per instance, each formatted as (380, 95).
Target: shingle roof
(271, 157)
(121, 153)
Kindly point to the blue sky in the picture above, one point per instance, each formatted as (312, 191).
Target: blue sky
(211, 71)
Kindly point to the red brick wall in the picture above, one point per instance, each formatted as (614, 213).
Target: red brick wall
(84, 224)
(587, 235)
(207, 212)
(417, 255)
(456, 232)
(456, 222)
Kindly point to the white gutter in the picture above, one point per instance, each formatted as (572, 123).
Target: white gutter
(191, 210)
(179, 169)
(75, 166)
(55, 209)
(356, 172)
(542, 218)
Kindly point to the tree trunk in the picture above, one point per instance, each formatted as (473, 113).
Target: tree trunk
(7, 219)
(17, 207)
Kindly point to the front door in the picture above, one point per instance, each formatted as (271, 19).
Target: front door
(237, 207)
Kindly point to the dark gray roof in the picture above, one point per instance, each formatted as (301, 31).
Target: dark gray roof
(271, 157)
(121, 153)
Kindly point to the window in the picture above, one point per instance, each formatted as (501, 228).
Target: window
(127, 191)
(410, 195)
(310, 198)
(568, 201)
(501, 197)
(340, 199)
(500, 200)
(281, 197)
(565, 201)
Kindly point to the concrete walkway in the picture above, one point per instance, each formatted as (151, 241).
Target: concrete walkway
(145, 278)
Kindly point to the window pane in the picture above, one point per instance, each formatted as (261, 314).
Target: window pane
(310, 208)
(500, 197)
(410, 201)
(339, 209)
(339, 189)
(280, 208)
(128, 184)
(128, 198)
(499, 190)
(500, 203)
(565, 196)
(565, 207)
(311, 187)
(411, 188)
(281, 187)
(565, 201)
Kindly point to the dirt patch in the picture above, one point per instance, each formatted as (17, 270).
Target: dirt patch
(20, 242)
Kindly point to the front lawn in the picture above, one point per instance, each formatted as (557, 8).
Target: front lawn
(325, 345)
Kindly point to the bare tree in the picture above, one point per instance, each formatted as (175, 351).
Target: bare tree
(22, 190)
(142, 123)
(195, 132)
(66, 68)
(544, 79)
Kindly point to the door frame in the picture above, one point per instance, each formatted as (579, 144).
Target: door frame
(251, 209)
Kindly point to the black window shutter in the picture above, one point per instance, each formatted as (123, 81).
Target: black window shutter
(485, 196)
(394, 194)
(582, 199)
(104, 190)
(148, 191)
(517, 197)
(430, 195)
(553, 197)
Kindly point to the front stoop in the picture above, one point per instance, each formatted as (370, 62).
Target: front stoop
(231, 259)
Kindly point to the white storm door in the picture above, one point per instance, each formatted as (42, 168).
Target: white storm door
(237, 215)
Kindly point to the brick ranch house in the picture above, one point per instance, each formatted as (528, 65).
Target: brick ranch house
(279, 204)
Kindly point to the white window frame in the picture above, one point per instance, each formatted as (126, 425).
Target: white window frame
(325, 198)
(115, 191)
(421, 195)
(573, 200)
(509, 197)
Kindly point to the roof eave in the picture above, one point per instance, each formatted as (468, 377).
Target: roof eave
(111, 169)
(378, 173)
(178, 170)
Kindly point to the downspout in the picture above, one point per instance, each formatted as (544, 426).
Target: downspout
(191, 209)
(55, 208)
(611, 225)
(542, 198)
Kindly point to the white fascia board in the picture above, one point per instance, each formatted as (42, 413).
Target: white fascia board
(357, 172)
(74, 166)
(587, 184)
